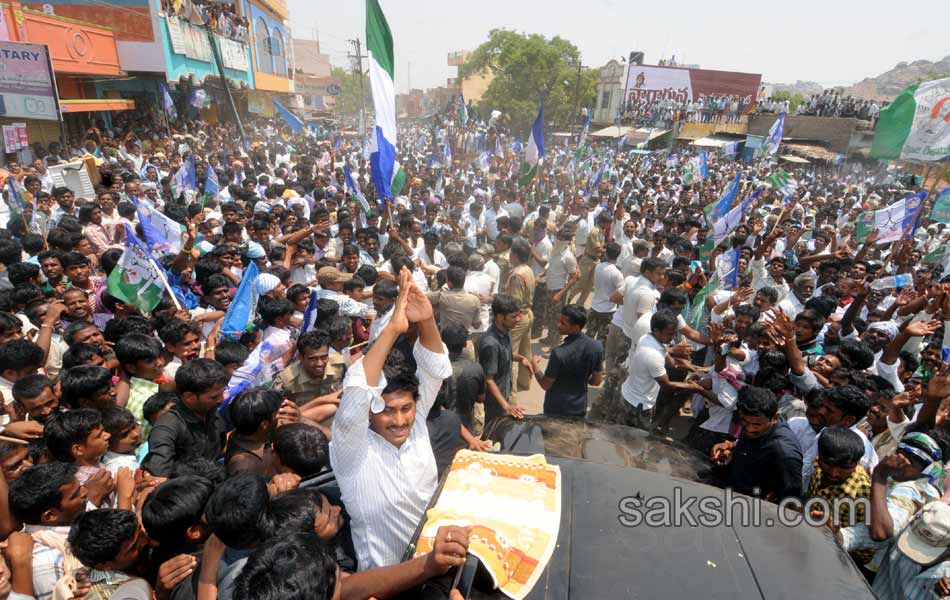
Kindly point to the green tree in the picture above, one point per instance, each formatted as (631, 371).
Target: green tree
(350, 93)
(794, 100)
(525, 67)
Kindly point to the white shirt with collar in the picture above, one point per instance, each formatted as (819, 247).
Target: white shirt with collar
(386, 489)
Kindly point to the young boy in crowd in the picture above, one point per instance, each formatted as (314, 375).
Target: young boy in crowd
(140, 363)
(125, 437)
(112, 543)
(88, 386)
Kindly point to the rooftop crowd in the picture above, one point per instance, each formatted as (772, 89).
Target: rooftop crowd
(129, 468)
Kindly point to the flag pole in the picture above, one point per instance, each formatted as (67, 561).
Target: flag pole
(168, 287)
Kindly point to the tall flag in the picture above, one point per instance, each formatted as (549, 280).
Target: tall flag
(161, 232)
(167, 103)
(698, 305)
(379, 45)
(186, 178)
(136, 279)
(722, 207)
(462, 110)
(290, 119)
(16, 204)
(243, 308)
(916, 125)
(212, 187)
(583, 140)
(781, 181)
(355, 188)
(594, 184)
(773, 141)
(484, 162)
(447, 156)
(499, 153)
(941, 209)
(534, 152)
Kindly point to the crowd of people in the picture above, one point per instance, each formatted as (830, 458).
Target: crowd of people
(806, 353)
(223, 17)
(645, 112)
(829, 103)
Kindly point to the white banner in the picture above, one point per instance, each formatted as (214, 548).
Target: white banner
(654, 84)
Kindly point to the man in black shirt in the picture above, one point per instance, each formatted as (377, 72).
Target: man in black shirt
(766, 461)
(466, 386)
(495, 355)
(193, 427)
(574, 364)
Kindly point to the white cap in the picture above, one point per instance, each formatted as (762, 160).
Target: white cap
(928, 535)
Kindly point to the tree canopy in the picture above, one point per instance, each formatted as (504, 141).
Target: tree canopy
(350, 94)
(525, 67)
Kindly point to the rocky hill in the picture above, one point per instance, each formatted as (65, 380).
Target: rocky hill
(887, 85)
(805, 88)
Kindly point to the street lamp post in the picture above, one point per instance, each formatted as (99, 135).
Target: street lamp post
(577, 89)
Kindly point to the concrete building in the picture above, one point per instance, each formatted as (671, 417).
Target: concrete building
(309, 59)
(472, 88)
(610, 86)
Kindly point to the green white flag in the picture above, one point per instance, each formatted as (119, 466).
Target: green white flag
(941, 209)
(780, 180)
(399, 180)
(699, 302)
(916, 126)
(136, 279)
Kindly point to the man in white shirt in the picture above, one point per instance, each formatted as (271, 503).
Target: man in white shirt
(771, 276)
(607, 280)
(562, 274)
(381, 453)
(540, 248)
(482, 285)
(802, 289)
(648, 372)
(638, 296)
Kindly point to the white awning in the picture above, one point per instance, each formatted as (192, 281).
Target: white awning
(612, 132)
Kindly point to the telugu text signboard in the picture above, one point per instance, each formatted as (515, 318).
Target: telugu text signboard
(26, 84)
(648, 85)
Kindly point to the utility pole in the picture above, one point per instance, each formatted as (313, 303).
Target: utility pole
(358, 66)
(224, 83)
(577, 89)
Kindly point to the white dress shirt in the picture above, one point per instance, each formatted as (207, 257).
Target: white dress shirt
(385, 489)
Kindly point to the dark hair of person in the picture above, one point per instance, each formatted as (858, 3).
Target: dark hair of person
(136, 347)
(849, 399)
(20, 354)
(840, 447)
(386, 288)
(38, 489)
(663, 319)
(275, 309)
(757, 402)
(156, 402)
(455, 335)
(253, 407)
(295, 567)
(174, 506)
(82, 383)
(97, 536)
(230, 352)
(576, 315)
(748, 310)
(238, 512)
(302, 448)
(117, 420)
(118, 329)
(65, 429)
(312, 340)
(30, 387)
(200, 375)
(503, 304)
(295, 511)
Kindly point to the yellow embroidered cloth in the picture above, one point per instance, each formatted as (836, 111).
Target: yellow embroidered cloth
(512, 503)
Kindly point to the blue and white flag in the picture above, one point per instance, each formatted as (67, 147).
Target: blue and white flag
(186, 178)
(379, 47)
(462, 110)
(725, 201)
(290, 119)
(162, 233)
(355, 188)
(257, 370)
(498, 151)
(243, 309)
(774, 140)
(534, 152)
(447, 156)
(729, 268)
(583, 139)
(726, 225)
(484, 162)
(167, 103)
(594, 184)
(16, 204)
(310, 314)
(212, 187)
(199, 97)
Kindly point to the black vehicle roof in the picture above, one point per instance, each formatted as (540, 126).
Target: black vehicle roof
(598, 557)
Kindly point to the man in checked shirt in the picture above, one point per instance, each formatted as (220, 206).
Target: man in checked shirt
(380, 450)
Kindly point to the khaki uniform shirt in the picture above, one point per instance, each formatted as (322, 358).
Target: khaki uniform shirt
(521, 284)
(301, 388)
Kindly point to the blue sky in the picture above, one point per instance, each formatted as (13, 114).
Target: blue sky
(833, 42)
